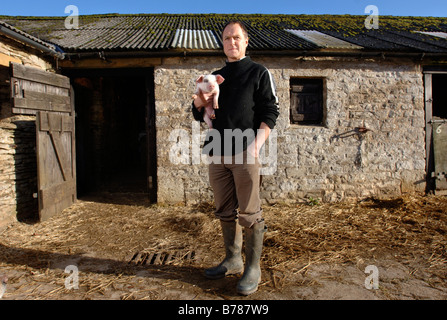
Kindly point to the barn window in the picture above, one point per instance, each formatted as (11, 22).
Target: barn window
(306, 101)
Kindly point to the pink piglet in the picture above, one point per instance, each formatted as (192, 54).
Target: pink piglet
(209, 84)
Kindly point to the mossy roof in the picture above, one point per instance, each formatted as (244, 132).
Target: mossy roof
(157, 32)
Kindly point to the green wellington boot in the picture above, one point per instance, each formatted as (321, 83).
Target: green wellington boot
(232, 264)
(254, 238)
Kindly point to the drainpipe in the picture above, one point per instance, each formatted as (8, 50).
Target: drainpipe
(33, 43)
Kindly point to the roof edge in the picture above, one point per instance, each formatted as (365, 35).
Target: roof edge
(18, 35)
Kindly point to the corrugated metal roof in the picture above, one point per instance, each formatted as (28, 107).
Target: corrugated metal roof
(27, 35)
(195, 39)
(323, 40)
(163, 32)
(395, 40)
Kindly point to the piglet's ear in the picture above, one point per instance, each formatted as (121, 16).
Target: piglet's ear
(219, 79)
(199, 79)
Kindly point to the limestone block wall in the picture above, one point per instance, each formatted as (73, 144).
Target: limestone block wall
(18, 169)
(335, 162)
(20, 53)
(331, 162)
(179, 180)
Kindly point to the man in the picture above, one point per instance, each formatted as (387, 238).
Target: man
(248, 109)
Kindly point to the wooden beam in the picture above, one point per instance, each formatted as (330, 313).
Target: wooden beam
(111, 63)
(22, 103)
(428, 117)
(37, 75)
(49, 98)
(5, 60)
(64, 165)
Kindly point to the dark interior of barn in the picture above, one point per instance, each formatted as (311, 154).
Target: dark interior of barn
(440, 95)
(112, 131)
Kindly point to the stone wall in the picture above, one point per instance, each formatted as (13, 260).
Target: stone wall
(20, 53)
(18, 166)
(332, 162)
(18, 169)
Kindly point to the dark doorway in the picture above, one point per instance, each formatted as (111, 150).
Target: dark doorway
(114, 131)
(440, 96)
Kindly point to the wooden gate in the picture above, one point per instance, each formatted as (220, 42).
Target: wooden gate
(49, 97)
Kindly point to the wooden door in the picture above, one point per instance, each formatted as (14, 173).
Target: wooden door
(440, 155)
(55, 162)
(49, 96)
(436, 132)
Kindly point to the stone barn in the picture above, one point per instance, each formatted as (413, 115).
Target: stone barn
(363, 107)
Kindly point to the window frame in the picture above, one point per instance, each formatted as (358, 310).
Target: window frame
(311, 93)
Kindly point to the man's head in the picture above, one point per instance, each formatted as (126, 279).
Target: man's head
(235, 40)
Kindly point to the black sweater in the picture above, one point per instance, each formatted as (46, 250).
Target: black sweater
(247, 98)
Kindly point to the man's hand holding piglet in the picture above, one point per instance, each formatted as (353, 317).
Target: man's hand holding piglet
(202, 99)
(207, 95)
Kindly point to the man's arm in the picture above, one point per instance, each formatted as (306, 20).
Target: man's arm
(266, 101)
(261, 138)
(267, 112)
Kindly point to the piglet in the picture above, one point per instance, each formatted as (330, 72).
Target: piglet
(209, 84)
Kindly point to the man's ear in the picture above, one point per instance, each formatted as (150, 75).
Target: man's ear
(219, 79)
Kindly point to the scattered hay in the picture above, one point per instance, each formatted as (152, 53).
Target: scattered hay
(102, 234)
(411, 227)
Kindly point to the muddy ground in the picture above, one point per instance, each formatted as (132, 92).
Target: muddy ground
(118, 246)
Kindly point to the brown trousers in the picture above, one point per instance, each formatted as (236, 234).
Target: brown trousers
(236, 186)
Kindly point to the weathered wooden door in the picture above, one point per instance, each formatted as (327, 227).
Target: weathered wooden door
(436, 130)
(49, 97)
(440, 155)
